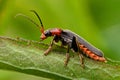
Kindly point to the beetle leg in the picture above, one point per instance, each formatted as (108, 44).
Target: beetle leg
(79, 52)
(81, 59)
(49, 48)
(67, 56)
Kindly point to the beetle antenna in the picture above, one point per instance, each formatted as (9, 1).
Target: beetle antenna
(20, 14)
(42, 28)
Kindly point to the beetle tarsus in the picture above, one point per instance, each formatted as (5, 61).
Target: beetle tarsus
(81, 60)
(67, 59)
(49, 48)
(47, 51)
(67, 56)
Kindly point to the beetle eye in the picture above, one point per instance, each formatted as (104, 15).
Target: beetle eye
(47, 33)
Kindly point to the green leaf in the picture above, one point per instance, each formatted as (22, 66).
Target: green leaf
(27, 57)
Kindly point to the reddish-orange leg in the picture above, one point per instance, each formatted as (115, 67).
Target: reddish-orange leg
(80, 53)
(81, 59)
(67, 56)
(49, 48)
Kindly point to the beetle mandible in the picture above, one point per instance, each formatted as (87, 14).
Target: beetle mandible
(71, 40)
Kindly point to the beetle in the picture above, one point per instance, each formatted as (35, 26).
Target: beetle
(70, 39)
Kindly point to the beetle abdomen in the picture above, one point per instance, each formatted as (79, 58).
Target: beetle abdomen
(90, 54)
(69, 34)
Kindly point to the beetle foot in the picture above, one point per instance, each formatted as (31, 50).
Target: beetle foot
(47, 51)
(67, 59)
(81, 60)
(83, 66)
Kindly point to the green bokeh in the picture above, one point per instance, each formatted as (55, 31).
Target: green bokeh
(98, 21)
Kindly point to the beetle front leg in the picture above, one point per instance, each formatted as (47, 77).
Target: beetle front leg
(49, 48)
(67, 56)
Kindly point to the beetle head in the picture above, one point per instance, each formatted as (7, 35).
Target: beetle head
(44, 34)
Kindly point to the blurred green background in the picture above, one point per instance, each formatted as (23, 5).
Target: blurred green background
(98, 21)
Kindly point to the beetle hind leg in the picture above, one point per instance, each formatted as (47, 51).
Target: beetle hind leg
(75, 46)
(81, 59)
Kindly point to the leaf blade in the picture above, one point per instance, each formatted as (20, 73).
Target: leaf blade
(27, 57)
